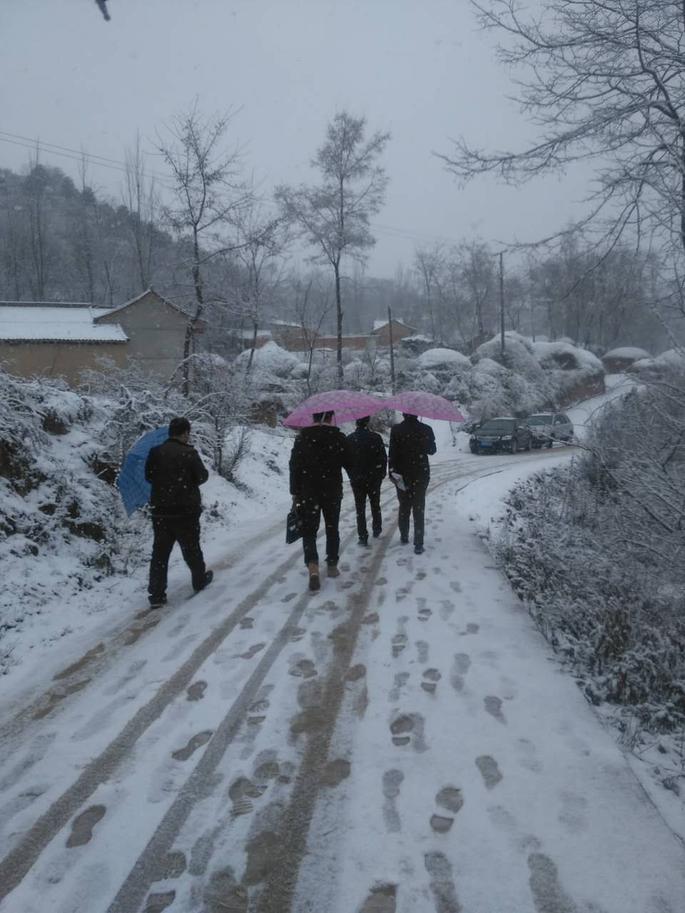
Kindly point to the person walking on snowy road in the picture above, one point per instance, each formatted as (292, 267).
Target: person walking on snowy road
(175, 471)
(319, 455)
(411, 443)
(367, 471)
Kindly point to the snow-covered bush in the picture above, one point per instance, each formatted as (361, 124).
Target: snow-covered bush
(596, 552)
(270, 359)
(443, 358)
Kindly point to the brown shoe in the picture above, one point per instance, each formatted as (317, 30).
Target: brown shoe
(332, 570)
(314, 581)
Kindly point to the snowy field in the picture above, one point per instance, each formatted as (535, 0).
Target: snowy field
(400, 741)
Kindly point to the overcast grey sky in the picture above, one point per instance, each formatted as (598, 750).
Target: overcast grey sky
(420, 69)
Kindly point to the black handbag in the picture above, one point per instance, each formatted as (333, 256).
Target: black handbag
(293, 526)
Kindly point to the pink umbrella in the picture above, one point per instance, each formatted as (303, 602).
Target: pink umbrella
(348, 405)
(427, 405)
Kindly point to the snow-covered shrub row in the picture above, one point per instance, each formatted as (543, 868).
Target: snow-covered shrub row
(596, 552)
(529, 377)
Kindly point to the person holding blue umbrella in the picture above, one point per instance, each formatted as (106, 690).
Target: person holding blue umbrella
(175, 472)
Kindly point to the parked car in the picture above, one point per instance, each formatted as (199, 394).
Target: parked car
(548, 427)
(498, 434)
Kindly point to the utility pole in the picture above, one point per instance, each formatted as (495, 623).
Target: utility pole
(392, 351)
(501, 301)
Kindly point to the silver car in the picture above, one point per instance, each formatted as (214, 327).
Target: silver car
(548, 427)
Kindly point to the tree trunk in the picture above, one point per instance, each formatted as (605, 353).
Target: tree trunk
(252, 348)
(189, 341)
(339, 311)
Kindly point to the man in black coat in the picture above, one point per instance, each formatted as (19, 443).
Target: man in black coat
(319, 455)
(175, 472)
(411, 442)
(367, 471)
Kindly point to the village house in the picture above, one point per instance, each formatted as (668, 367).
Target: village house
(62, 339)
(293, 338)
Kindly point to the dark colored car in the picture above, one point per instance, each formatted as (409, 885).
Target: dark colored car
(547, 427)
(501, 434)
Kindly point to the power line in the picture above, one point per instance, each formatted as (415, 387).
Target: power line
(101, 161)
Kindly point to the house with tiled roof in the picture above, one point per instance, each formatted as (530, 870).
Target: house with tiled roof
(62, 339)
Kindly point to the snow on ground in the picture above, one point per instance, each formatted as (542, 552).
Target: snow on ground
(399, 741)
(64, 629)
(582, 414)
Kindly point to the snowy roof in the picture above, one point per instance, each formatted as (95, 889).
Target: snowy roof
(285, 323)
(250, 334)
(54, 323)
(627, 353)
(102, 312)
(379, 324)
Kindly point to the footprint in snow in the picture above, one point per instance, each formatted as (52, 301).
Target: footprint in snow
(392, 780)
(401, 679)
(381, 899)
(408, 728)
(254, 649)
(493, 705)
(529, 758)
(471, 628)
(303, 668)
(422, 648)
(489, 771)
(241, 792)
(442, 886)
(82, 826)
(399, 642)
(197, 741)
(158, 901)
(196, 691)
(431, 677)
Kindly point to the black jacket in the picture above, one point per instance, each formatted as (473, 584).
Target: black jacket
(368, 461)
(411, 441)
(175, 471)
(319, 455)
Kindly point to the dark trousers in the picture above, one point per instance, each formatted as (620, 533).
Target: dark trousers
(413, 502)
(310, 510)
(371, 490)
(167, 531)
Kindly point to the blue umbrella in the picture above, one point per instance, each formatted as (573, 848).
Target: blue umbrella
(132, 484)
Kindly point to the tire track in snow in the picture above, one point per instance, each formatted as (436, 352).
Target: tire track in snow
(20, 860)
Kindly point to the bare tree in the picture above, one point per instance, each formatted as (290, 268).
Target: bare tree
(429, 263)
(140, 198)
(311, 306)
(209, 193)
(260, 242)
(36, 191)
(334, 215)
(603, 82)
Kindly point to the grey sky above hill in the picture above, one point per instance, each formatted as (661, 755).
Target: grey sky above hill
(418, 68)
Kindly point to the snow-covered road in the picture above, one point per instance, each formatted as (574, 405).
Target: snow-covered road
(400, 741)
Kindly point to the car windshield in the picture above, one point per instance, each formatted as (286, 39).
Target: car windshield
(540, 420)
(498, 426)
